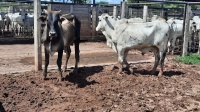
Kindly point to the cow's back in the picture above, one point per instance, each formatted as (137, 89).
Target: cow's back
(142, 34)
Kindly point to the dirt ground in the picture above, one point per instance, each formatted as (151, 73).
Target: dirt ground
(96, 88)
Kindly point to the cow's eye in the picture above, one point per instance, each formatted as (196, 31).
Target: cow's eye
(99, 19)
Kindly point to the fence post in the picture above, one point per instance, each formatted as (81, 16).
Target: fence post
(11, 9)
(37, 35)
(71, 8)
(49, 7)
(199, 43)
(94, 20)
(186, 29)
(145, 13)
(123, 10)
(130, 13)
(115, 12)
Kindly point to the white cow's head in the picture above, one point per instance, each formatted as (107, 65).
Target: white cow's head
(102, 24)
(195, 23)
(104, 21)
(23, 15)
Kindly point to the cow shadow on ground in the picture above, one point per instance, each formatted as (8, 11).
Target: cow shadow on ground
(83, 73)
(166, 73)
(2, 108)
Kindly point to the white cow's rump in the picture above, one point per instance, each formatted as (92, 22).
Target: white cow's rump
(141, 36)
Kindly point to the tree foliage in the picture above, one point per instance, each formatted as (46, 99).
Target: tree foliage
(102, 2)
(133, 1)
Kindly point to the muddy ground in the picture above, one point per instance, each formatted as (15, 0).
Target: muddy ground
(96, 88)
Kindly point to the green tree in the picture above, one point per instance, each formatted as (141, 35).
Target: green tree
(133, 1)
(102, 2)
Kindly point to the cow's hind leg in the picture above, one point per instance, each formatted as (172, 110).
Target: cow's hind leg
(122, 61)
(59, 63)
(46, 64)
(162, 58)
(76, 56)
(157, 59)
(68, 53)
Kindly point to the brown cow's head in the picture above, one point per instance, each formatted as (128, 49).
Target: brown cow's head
(52, 21)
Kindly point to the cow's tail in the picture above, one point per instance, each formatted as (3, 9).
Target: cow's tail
(77, 25)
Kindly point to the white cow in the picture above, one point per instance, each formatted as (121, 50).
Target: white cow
(140, 36)
(196, 28)
(176, 30)
(16, 21)
(28, 23)
(2, 21)
(108, 34)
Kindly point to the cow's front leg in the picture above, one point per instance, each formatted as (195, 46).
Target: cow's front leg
(121, 60)
(46, 63)
(68, 53)
(59, 63)
(127, 67)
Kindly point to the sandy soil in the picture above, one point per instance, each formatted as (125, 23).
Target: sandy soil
(95, 88)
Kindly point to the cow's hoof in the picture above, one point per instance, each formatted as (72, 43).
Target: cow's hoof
(152, 72)
(64, 69)
(44, 76)
(130, 71)
(135, 74)
(59, 79)
(160, 74)
(75, 71)
(123, 73)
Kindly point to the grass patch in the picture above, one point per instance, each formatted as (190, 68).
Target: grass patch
(190, 59)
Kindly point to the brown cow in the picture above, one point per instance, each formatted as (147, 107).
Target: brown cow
(59, 33)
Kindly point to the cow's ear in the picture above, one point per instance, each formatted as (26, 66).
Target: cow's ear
(45, 11)
(62, 19)
(59, 11)
(42, 18)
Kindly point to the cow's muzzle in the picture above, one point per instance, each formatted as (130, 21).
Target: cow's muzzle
(52, 34)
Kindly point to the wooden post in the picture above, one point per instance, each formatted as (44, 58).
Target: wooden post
(162, 10)
(37, 35)
(71, 8)
(145, 13)
(186, 29)
(94, 20)
(49, 7)
(130, 13)
(123, 10)
(115, 12)
(10, 9)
